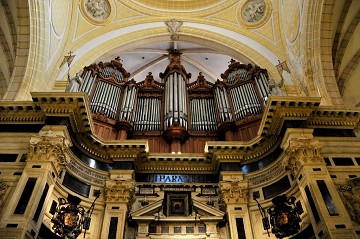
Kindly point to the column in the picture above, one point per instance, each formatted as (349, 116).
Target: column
(46, 158)
(119, 196)
(234, 199)
(327, 212)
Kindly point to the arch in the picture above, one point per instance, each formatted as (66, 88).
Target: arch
(344, 43)
(350, 67)
(330, 90)
(112, 43)
(23, 43)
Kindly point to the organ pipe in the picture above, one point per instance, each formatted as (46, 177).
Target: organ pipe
(243, 93)
(175, 101)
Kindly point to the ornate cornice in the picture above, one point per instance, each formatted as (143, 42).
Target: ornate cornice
(163, 163)
(75, 106)
(280, 113)
(67, 104)
(21, 112)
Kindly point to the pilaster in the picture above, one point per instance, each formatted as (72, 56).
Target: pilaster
(234, 199)
(119, 196)
(46, 158)
(303, 159)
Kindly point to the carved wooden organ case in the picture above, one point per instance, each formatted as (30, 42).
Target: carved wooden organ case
(176, 115)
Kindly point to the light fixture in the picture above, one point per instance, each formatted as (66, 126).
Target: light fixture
(70, 219)
(284, 216)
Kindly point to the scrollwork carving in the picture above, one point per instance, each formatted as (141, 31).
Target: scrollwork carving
(122, 191)
(350, 193)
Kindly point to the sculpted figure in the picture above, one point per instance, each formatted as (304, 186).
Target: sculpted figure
(254, 11)
(74, 83)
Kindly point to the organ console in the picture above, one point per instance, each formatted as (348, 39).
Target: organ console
(176, 113)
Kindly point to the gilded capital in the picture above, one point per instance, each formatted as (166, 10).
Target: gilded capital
(120, 191)
(49, 147)
(233, 192)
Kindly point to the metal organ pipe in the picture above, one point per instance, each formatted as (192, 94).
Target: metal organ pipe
(203, 114)
(88, 82)
(147, 115)
(263, 86)
(106, 98)
(127, 103)
(175, 101)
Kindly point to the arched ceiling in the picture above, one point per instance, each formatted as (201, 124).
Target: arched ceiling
(154, 58)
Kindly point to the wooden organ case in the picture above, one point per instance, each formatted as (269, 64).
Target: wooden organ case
(175, 115)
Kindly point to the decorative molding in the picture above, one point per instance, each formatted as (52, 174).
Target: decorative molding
(75, 168)
(268, 175)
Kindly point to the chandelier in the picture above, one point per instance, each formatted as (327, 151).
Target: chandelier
(70, 219)
(284, 216)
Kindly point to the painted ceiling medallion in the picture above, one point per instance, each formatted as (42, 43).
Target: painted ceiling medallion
(254, 13)
(96, 11)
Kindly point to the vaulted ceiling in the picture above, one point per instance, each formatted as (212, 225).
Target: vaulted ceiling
(318, 42)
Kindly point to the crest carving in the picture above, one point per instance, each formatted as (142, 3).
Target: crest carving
(122, 191)
(49, 147)
(233, 192)
(350, 194)
(174, 28)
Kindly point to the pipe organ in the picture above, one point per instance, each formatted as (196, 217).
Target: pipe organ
(175, 108)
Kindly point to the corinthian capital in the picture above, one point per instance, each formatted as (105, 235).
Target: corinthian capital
(301, 152)
(49, 146)
(121, 191)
